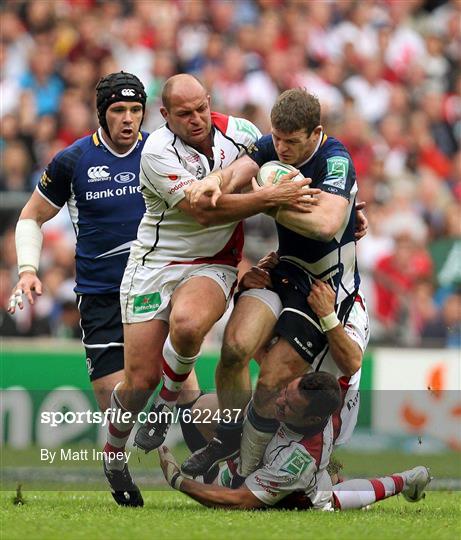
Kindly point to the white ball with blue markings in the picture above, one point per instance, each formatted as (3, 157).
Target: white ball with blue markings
(273, 171)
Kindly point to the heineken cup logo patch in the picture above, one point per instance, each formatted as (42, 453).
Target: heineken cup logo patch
(337, 169)
(145, 303)
(297, 463)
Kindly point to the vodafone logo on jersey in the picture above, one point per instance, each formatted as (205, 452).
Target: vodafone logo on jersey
(173, 177)
(98, 173)
(180, 185)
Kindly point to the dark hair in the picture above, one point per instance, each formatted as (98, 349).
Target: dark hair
(296, 109)
(115, 87)
(322, 391)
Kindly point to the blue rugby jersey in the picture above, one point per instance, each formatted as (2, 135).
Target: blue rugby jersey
(332, 171)
(105, 205)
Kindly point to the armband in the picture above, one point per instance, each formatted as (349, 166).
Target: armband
(29, 238)
(329, 322)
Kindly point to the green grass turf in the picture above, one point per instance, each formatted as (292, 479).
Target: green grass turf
(169, 515)
(24, 466)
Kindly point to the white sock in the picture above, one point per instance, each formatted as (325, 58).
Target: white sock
(175, 371)
(252, 447)
(359, 493)
(118, 431)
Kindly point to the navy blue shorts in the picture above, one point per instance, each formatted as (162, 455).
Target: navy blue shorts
(102, 330)
(297, 323)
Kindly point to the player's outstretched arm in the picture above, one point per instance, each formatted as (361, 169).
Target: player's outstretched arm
(28, 248)
(209, 495)
(235, 207)
(236, 176)
(345, 351)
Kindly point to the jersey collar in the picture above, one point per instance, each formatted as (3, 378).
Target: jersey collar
(321, 140)
(98, 140)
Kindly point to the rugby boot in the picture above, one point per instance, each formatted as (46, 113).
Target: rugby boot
(201, 461)
(152, 434)
(211, 475)
(124, 491)
(416, 481)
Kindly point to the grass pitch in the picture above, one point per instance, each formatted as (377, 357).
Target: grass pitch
(169, 515)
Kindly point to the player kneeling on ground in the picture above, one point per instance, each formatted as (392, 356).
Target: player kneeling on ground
(293, 471)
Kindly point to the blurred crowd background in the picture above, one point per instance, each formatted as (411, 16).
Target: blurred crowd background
(387, 73)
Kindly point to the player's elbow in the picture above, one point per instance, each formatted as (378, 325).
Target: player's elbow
(203, 218)
(353, 364)
(327, 231)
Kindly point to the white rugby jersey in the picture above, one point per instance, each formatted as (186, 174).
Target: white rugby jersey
(292, 466)
(357, 328)
(168, 165)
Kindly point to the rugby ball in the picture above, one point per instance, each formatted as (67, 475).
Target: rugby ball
(279, 169)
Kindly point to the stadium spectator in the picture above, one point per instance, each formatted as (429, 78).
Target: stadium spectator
(444, 329)
(284, 44)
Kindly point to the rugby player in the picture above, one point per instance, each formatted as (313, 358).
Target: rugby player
(98, 178)
(313, 248)
(182, 268)
(293, 473)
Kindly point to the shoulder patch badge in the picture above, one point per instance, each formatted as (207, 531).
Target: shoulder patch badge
(337, 170)
(247, 127)
(297, 463)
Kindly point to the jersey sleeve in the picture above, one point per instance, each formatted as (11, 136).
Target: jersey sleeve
(56, 181)
(262, 150)
(165, 176)
(246, 133)
(357, 326)
(336, 174)
(292, 470)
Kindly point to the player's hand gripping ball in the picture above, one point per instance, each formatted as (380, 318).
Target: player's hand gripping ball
(273, 171)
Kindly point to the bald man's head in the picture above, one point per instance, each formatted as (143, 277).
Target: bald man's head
(186, 109)
(180, 86)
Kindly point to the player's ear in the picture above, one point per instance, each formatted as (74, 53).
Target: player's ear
(318, 129)
(164, 112)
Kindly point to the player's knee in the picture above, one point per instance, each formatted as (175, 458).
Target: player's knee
(270, 381)
(186, 330)
(234, 353)
(142, 378)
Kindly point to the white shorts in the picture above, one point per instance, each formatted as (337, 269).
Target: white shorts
(270, 298)
(145, 292)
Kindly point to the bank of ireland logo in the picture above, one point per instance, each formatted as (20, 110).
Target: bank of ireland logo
(98, 173)
(124, 177)
(146, 303)
(128, 92)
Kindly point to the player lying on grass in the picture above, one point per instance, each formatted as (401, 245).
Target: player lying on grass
(343, 359)
(293, 471)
